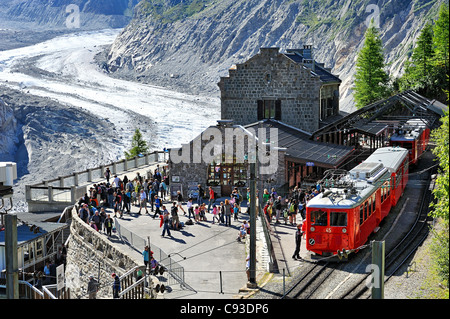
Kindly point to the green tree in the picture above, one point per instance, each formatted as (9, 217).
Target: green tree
(138, 145)
(441, 48)
(419, 70)
(440, 246)
(371, 80)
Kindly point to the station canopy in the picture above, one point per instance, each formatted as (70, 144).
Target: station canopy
(301, 149)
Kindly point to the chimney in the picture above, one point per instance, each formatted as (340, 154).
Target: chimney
(308, 57)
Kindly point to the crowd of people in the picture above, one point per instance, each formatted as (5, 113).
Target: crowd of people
(151, 195)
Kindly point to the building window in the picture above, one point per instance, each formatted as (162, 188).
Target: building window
(232, 174)
(269, 109)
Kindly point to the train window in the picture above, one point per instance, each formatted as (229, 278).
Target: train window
(365, 211)
(338, 219)
(361, 215)
(319, 218)
(373, 203)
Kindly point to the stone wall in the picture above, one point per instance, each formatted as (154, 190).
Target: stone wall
(89, 253)
(270, 75)
(195, 169)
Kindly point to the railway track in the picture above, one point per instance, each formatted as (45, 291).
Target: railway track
(317, 273)
(397, 256)
(310, 281)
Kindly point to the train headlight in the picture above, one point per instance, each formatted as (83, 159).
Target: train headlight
(312, 229)
(344, 230)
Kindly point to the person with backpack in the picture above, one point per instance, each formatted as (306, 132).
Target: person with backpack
(175, 218)
(108, 224)
(293, 207)
(117, 203)
(158, 204)
(116, 286)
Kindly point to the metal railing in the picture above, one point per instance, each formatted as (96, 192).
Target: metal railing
(67, 189)
(175, 270)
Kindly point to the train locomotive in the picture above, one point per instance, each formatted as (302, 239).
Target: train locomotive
(414, 136)
(353, 203)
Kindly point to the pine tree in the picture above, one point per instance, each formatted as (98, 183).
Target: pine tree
(419, 70)
(441, 47)
(138, 145)
(371, 80)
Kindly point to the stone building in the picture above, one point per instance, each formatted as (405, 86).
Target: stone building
(289, 87)
(277, 99)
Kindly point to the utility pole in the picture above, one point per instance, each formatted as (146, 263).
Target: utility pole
(252, 282)
(12, 271)
(378, 253)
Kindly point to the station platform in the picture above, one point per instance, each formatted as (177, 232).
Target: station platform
(214, 261)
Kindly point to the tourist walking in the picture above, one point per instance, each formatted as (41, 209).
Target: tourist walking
(157, 206)
(116, 286)
(142, 201)
(166, 221)
(211, 198)
(175, 218)
(92, 287)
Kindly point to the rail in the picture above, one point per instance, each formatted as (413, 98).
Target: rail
(67, 189)
(175, 270)
(267, 235)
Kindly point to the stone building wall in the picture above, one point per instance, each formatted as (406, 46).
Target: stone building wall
(270, 75)
(195, 169)
(90, 252)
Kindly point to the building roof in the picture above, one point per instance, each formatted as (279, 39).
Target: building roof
(318, 69)
(24, 234)
(300, 148)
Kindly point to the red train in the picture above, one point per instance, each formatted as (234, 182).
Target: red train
(354, 203)
(414, 136)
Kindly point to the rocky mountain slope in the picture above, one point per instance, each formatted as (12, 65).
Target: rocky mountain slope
(188, 44)
(61, 14)
(48, 139)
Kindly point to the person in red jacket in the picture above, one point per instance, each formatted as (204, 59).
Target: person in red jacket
(211, 199)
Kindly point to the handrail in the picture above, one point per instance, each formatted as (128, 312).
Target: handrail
(48, 292)
(128, 289)
(33, 288)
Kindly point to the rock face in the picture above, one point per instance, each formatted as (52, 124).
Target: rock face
(91, 14)
(8, 131)
(188, 45)
(47, 139)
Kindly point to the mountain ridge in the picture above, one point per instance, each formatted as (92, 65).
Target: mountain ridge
(190, 53)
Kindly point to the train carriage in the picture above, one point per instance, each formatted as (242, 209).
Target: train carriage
(352, 204)
(414, 135)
